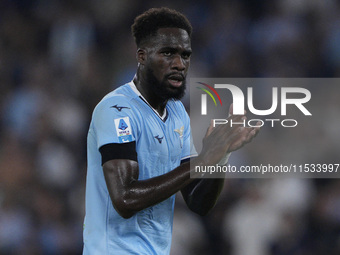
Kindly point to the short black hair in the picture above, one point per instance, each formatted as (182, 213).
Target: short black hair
(147, 24)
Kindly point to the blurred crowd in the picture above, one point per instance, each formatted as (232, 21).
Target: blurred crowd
(58, 58)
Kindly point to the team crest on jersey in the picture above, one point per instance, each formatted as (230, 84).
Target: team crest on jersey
(180, 132)
(123, 129)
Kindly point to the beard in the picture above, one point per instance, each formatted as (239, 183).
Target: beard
(161, 89)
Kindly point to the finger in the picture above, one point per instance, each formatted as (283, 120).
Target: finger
(236, 119)
(231, 107)
(241, 136)
(252, 133)
(237, 141)
(245, 136)
(233, 133)
(210, 128)
(256, 129)
(234, 123)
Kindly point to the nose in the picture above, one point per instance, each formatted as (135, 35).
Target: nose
(178, 63)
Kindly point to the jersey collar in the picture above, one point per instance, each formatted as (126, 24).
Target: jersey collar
(134, 88)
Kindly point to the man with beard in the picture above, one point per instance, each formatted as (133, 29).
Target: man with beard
(139, 145)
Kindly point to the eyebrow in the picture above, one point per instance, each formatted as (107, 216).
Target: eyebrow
(173, 49)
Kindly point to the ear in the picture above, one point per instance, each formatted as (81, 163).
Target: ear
(141, 55)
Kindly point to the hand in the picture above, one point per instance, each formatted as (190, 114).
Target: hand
(225, 138)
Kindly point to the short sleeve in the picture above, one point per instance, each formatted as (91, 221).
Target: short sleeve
(113, 121)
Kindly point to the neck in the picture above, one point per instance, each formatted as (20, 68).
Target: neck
(144, 88)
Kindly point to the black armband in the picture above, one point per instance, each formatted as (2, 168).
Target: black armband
(118, 151)
(187, 159)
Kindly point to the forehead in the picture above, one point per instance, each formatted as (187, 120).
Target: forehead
(171, 37)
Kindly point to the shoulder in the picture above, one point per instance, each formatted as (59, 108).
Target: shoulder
(177, 107)
(120, 99)
(176, 104)
(122, 94)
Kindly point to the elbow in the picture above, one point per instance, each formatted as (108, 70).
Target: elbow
(124, 208)
(199, 208)
(201, 211)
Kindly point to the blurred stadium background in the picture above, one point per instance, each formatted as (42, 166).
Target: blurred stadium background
(58, 58)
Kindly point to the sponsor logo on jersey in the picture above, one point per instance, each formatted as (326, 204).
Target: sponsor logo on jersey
(119, 108)
(159, 139)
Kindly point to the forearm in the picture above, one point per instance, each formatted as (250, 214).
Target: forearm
(201, 195)
(129, 198)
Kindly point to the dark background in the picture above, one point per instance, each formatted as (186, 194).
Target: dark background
(59, 58)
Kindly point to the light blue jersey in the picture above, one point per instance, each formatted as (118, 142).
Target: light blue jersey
(161, 143)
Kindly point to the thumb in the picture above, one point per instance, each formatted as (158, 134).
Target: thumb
(210, 129)
(230, 110)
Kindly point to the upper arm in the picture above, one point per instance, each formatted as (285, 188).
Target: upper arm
(114, 129)
(119, 174)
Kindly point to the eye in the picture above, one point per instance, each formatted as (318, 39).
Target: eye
(186, 55)
(167, 53)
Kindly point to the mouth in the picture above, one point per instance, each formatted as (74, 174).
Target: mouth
(176, 80)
